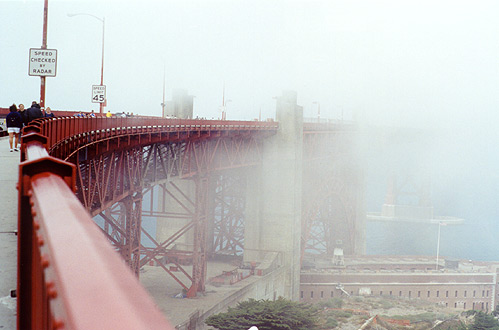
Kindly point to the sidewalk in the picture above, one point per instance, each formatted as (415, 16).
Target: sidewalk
(9, 162)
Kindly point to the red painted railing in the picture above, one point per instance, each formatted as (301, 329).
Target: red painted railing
(69, 276)
(66, 134)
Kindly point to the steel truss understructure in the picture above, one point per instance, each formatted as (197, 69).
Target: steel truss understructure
(125, 175)
(227, 229)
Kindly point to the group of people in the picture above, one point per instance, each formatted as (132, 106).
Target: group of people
(88, 115)
(20, 117)
(118, 114)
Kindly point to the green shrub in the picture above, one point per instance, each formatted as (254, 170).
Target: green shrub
(267, 315)
(484, 321)
(331, 323)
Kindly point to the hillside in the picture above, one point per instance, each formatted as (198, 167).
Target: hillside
(392, 313)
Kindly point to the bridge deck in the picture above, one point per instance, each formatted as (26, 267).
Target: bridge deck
(8, 240)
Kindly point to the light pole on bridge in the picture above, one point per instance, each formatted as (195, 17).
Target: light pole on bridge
(44, 46)
(103, 20)
(318, 111)
(224, 105)
(440, 223)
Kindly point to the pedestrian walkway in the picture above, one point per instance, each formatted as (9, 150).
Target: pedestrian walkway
(9, 162)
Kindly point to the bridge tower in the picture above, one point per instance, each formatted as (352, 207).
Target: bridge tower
(274, 198)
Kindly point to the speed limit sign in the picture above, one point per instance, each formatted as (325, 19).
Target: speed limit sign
(98, 93)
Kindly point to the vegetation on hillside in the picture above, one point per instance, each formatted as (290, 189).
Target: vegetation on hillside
(267, 315)
(350, 312)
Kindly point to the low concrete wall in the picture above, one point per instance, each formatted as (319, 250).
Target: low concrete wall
(270, 286)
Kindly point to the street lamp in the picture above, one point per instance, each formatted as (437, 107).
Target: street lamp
(318, 111)
(224, 114)
(440, 223)
(44, 46)
(103, 20)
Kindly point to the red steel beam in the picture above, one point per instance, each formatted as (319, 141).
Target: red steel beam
(69, 276)
(199, 253)
(227, 230)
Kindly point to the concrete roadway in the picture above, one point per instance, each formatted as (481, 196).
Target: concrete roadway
(8, 240)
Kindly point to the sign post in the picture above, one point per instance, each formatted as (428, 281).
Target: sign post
(44, 46)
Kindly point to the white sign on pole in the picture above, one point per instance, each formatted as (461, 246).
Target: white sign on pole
(42, 62)
(98, 93)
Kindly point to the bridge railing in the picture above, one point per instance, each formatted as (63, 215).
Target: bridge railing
(59, 130)
(69, 276)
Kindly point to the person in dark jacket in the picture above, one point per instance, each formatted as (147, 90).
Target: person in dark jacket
(22, 112)
(34, 112)
(49, 113)
(14, 124)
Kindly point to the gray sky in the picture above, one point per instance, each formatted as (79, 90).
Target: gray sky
(416, 62)
(428, 64)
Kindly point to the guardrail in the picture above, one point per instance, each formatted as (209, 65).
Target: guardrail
(66, 134)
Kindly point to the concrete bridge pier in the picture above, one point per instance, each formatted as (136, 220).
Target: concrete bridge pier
(183, 229)
(274, 199)
(177, 201)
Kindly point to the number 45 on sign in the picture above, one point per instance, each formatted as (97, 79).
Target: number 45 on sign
(98, 93)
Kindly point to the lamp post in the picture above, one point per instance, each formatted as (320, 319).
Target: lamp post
(224, 105)
(44, 46)
(103, 20)
(318, 111)
(440, 223)
(225, 109)
(163, 104)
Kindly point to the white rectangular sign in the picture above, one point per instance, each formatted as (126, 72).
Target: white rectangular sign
(42, 62)
(98, 93)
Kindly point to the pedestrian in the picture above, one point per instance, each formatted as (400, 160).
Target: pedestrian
(109, 114)
(48, 113)
(91, 114)
(33, 112)
(14, 124)
(22, 112)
